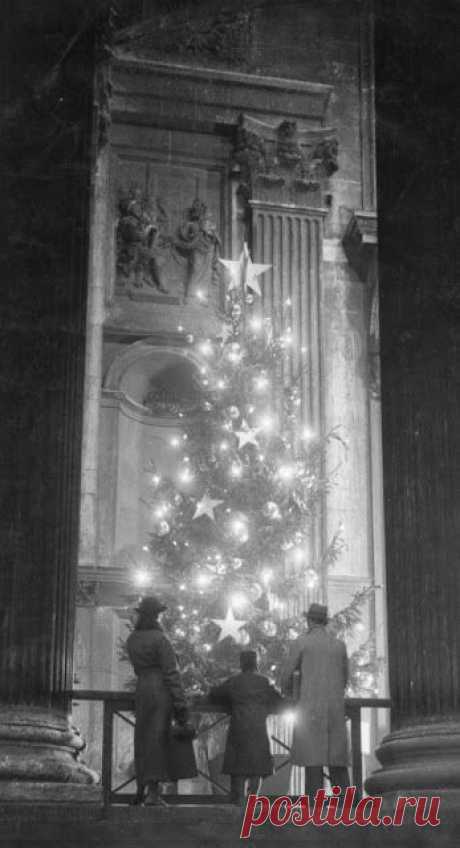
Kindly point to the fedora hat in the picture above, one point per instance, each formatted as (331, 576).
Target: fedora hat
(317, 613)
(150, 605)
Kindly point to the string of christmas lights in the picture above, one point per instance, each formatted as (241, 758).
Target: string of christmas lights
(231, 533)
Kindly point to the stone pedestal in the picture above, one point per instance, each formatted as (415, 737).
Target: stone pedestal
(39, 757)
(418, 759)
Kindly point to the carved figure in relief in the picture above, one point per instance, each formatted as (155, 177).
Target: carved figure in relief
(198, 243)
(140, 237)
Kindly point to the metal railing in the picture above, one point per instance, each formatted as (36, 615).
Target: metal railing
(122, 705)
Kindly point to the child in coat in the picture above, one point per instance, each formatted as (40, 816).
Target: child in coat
(250, 698)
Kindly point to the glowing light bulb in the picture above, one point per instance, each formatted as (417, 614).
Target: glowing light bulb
(261, 383)
(180, 328)
(288, 302)
(238, 600)
(205, 348)
(162, 510)
(207, 647)
(236, 470)
(256, 324)
(156, 479)
(221, 384)
(174, 441)
(298, 555)
(200, 295)
(311, 578)
(203, 580)
(266, 423)
(267, 576)
(185, 476)
(286, 472)
(224, 446)
(182, 587)
(145, 548)
(290, 717)
(307, 434)
(141, 577)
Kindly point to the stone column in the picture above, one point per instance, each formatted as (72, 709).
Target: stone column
(421, 411)
(42, 386)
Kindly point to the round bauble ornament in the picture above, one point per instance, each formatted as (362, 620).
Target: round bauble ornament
(236, 563)
(162, 528)
(249, 299)
(207, 406)
(236, 311)
(271, 510)
(293, 634)
(234, 412)
(190, 338)
(269, 627)
(244, 637)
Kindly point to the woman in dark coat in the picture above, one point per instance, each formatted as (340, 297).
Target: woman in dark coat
(250, 698)
(159, 698)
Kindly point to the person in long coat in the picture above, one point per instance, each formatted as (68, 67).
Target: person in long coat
(250, 698)
(319, 735)
(160, 697)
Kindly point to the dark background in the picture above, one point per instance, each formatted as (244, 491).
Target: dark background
(45, 156)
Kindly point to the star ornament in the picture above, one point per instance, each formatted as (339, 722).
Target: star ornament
(229, 626)
(206, 506)
(246, 436)
(244, 272)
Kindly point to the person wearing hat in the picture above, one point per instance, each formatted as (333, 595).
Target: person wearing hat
(319, 735)
(160, 698)
(250, 698)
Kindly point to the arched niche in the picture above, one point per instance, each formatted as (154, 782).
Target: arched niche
(144, 388)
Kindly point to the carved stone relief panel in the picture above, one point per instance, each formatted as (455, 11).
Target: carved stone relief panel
(167, 232)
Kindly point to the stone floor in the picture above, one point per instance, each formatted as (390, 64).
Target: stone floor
(84, 826)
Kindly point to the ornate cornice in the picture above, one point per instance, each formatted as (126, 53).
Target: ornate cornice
(204, 96)
(360, 241)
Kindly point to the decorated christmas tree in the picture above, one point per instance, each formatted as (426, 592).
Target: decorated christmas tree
(233, 548)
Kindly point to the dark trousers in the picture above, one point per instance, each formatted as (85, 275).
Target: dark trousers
(314, 778)
(238, 786)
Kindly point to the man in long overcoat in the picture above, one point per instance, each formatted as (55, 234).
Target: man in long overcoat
(250, 698)
(319, 736)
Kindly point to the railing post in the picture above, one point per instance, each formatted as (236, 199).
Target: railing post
(107, 747)
(354, 713)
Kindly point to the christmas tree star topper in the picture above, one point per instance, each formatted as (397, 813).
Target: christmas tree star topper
(206, 506)
(229, 626)
(244, 272)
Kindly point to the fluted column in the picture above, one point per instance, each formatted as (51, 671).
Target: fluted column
(421, 409)
(43, 331)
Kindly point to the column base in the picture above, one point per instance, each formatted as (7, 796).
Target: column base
(39, 747)
(422, 758)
